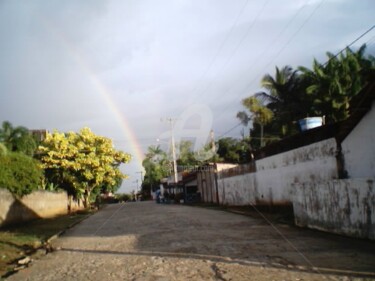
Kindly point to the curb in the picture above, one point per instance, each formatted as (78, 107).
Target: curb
(45, 245)
(61, 232)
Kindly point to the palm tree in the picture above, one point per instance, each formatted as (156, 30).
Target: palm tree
(260, 114)
(332, 85)
(155, 165)
(284, 98)
(154, 150)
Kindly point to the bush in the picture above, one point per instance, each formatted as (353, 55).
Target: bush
(19, 173)
(123, 197)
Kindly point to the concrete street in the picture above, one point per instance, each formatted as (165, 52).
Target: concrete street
(148, 241)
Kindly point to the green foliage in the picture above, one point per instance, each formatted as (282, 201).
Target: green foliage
(185, 155)
(156, 165)
(290, 95)
(332, 85)
(81, 162)
(105, 188)
(19, 173)
(3, 149)
(233, 150)
(124, 197)
(17, 139)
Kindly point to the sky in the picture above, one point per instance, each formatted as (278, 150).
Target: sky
(126, 68)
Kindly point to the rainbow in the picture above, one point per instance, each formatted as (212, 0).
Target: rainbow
(104, 92)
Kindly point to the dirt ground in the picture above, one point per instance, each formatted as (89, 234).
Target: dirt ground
(148, 241)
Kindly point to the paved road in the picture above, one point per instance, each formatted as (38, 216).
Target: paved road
(146, 241)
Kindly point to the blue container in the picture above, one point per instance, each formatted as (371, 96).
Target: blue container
(310, 122)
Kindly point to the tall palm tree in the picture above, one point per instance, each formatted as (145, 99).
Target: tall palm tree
(260, 115)
(284, 98)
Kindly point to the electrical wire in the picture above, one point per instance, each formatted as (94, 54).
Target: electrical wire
(284, 46)
(348, 46)
(228, 61)
(221, 46)
(274, 41)
(227, 132)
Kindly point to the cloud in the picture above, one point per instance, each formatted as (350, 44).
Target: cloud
(62, 60)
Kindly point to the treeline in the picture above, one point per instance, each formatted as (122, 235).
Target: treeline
(325, 90)
(83, 164)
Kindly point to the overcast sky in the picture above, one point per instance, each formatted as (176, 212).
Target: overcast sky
(118, 67)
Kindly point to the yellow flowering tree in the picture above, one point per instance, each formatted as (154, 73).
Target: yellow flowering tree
(81, 162)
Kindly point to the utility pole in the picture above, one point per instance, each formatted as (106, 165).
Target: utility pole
(141, 172)
(213, 145)
(171, 122)
(136, 181)
(212, 136)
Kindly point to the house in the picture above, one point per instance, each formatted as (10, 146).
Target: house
(39, 135)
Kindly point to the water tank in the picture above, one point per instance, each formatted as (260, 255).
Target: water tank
(310, 122)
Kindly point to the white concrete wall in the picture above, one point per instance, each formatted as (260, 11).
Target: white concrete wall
(274, 176)
(339, 206)
(359, 148)
(312, 163)
(238, 190)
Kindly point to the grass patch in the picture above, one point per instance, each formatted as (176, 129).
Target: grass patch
(21, 240)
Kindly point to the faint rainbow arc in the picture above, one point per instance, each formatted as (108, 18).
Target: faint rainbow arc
(135, 149)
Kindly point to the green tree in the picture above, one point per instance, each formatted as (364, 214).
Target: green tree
(185, 156)
(331, 85)
(233, 150)
(20, 174)
(260, 114)
(157, 166)
(285, 99)
(17, 139)
(81, 162)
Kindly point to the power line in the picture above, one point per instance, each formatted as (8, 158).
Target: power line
(353, 42)
(238, 45)
(286, 44)
(296, 33)
(370, 41)
(221, 45)
(275, 40)
(227, 132)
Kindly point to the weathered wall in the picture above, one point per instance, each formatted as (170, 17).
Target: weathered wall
(359, 150)
(206, 185)
(312, 163)
(271, 180)
(238, 190)
(338, 206)
(39, 204)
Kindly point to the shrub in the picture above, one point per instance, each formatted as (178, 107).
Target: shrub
(123, 197)
(19, 173)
